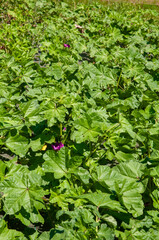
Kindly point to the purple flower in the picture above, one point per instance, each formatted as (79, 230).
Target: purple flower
(64, 129)
(57, 146)
(67, 45)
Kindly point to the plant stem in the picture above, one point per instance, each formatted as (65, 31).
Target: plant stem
(119, 78)
(60, 130)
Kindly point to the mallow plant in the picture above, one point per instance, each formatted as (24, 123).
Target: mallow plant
(79, 121)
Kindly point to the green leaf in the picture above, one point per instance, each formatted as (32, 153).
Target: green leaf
(29, 217)
(130, 197)
(55, 70)
(29, 108)
(87, 129)
(83, 174)
(53, 113)
(56, 162)
(103, 200)
(2, 170)
(12, 13)
(106, 232)
(22, 190)
(124, 157)
(6, 233)
(133, 202)
(155, 198)
(131, 169)
(18, 145)
(111, 221)
(44, 236)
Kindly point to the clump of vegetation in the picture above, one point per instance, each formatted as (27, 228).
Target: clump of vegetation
(79, 122)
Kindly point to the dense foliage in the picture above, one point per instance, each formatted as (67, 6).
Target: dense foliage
(79, 121)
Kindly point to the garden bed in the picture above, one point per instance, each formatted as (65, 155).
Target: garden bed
(79, 122)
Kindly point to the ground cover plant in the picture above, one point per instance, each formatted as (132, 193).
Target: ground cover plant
(141, 2)
(79, 121)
